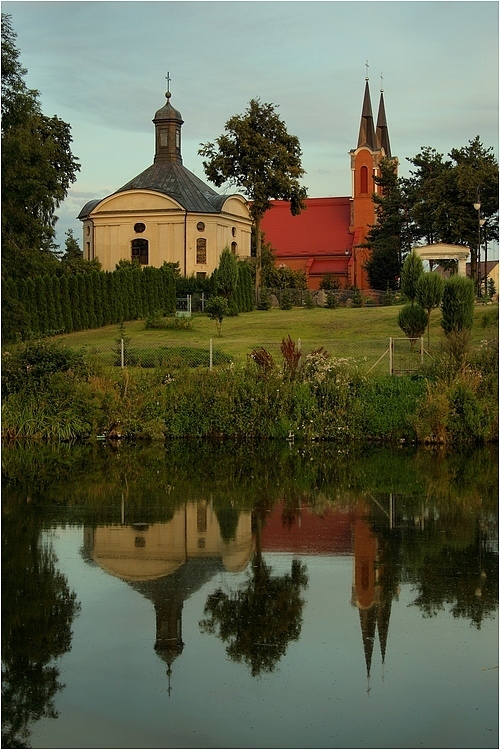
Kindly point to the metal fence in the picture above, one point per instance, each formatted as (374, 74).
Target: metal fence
(376, 356)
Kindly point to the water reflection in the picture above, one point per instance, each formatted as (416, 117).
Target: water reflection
(169, 521)
(38, 609)
(168, 562)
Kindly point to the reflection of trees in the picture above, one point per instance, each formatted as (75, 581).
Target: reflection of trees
(261, 619)
(37, 611)
(465, 577)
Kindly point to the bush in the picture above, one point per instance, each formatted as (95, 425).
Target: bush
(217, 309)
(332, 301)
(157, 321)
(264, 301)
(286, 300)
(309, 300)
(36, 362)
(458, 304)
(412, 319)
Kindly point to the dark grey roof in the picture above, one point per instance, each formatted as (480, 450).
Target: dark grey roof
(88, 207)
(179, 183)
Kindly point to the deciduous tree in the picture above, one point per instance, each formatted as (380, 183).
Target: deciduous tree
(259, 156)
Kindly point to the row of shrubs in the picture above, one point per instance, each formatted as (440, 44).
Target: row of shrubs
(51, 392)
(50, 304)
(46, 305)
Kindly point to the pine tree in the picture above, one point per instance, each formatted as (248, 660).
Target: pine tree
(67, 316)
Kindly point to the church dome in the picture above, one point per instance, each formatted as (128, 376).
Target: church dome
(167, 112)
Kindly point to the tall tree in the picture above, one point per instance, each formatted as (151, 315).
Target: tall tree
(37, 169)
(445, 192)
(390, 238)
(259, 156)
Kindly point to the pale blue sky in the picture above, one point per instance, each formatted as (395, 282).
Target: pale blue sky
(101, 66)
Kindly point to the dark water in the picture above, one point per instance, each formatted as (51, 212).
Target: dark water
(249, 596)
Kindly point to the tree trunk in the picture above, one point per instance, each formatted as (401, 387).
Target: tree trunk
(258, 256)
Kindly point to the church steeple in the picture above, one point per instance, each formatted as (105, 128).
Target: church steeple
(366, 129)
(168, 122)
(382, 129)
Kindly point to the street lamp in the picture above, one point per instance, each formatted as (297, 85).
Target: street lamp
(480, 222)
(485, 259)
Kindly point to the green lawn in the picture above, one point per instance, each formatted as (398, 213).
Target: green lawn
(361, 333)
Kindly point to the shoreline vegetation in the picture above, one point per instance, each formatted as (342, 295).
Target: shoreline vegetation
(53, 391)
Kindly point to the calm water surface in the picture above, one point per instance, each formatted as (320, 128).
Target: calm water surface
(249, 596)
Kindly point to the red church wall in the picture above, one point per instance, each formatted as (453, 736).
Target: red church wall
(315, 241)
(309, 533)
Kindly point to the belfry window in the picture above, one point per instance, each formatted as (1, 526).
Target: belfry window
(140, 251)
(234, 248)
(364, 179)
(201, 250)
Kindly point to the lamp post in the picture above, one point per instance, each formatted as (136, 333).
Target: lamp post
(485, 235)
(477, 206)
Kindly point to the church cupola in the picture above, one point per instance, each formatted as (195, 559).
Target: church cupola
(168, 122)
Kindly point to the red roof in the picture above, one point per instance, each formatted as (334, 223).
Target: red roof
(322, 229)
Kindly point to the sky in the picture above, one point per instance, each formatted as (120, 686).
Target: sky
(101, 67)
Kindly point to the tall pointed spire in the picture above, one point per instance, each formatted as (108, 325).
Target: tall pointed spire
(382, 129)
(366, 129)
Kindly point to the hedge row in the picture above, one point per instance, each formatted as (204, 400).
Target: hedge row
(49, 304)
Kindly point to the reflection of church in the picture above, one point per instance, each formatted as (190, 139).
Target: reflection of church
(369, 594)
(168, 562)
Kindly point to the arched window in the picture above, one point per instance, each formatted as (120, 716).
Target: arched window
(364, 179)
(201, 250)
(234, 248)
(140, 251)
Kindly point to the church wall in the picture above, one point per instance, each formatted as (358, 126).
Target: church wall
(172, 236)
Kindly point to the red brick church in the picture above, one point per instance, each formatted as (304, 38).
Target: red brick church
(325, 238)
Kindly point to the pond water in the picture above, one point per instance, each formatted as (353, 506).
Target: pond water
(200, 595)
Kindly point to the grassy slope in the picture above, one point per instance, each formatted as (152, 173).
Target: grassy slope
(365, 328)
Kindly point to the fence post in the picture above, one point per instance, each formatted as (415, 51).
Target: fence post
(122, 353)
(299, 345)
(211, 354)
(390, 355)
(421, 350)
(203, 302)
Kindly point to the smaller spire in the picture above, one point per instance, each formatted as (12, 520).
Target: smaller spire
(382, 129)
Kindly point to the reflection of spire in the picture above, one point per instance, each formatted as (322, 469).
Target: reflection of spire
(368, 620)
(383, 616)
(370, 596)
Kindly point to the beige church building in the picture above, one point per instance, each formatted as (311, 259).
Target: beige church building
(166, 213)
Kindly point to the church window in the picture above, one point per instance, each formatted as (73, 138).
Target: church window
(234, 248)
(140, 251)
(201, 250)
(233, 231)
(364, 179)
(177, 139)
(200, 226)
(164, 137)
(139, 227)
(201, 275)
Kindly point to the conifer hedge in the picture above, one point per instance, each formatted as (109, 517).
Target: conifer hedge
(63, 304)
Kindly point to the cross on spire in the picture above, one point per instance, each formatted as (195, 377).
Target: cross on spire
(168, 79)
(381, 82)
(366, 66)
